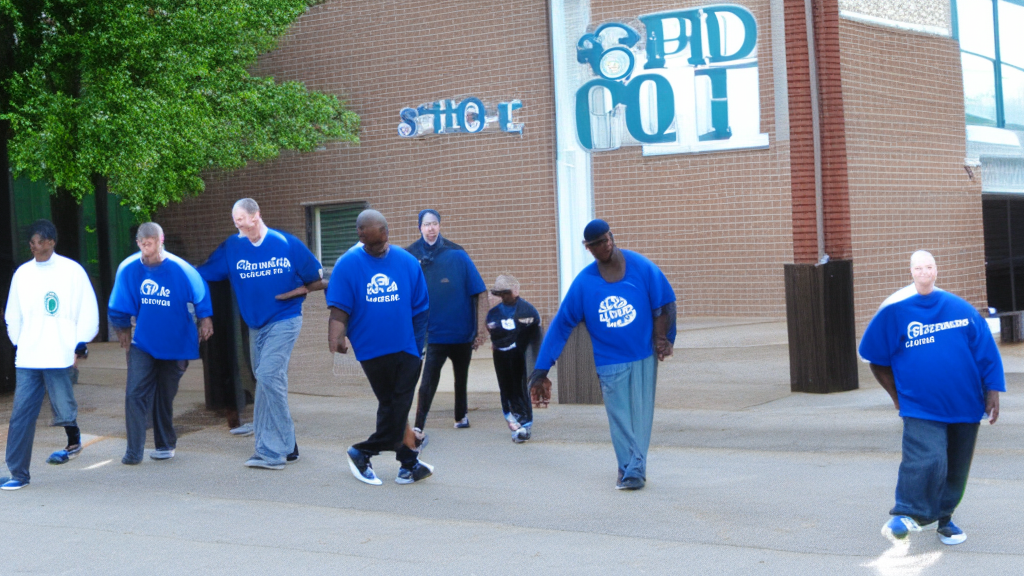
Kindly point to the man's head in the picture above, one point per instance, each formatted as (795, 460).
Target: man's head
(430, 225)
(506, 287)
(372, 228)
(599, 240)
(246, 215)
(924, 271)
(150, 239)
(42, 238)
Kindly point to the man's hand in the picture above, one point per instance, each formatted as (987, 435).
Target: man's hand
(540, 389)
(340, 346)
(479, 341)
(663, 347)
(992, 406)
(205, 328)
(303, 290)
(125, 337)
(337, 328)
(886, 378)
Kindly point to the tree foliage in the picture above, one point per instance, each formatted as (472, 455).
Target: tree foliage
(149, 94)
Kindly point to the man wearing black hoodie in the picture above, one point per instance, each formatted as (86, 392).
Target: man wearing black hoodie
(453, 331)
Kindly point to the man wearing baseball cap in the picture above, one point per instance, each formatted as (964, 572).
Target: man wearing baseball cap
(629, 310)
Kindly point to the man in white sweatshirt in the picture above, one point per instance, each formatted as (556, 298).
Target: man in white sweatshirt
(51, 314)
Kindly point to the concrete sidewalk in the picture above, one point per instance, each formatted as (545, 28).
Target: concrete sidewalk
(744, 478)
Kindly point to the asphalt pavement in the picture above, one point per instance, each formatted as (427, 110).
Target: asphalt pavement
(744, 477)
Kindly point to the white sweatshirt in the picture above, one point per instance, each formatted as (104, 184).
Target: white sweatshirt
(50, 309)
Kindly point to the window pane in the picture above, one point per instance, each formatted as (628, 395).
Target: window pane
(975, 25)
(1011, 33)
(1013, 97)
(337, 231)
(979, 90)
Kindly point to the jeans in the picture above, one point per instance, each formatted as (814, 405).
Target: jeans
(271, 349)
(933, 474)
(28, 399)
(152, 386)
(393, 379)
(510, 368)
(460, 355)
(628, 391)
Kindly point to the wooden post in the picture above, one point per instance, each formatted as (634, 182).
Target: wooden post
(577, 375)
(822, 327)
(8, 262)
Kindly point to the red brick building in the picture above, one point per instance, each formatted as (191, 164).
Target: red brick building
(844, 137)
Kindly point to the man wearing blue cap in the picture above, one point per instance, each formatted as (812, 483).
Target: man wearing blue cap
(456, 291)
(630, 312)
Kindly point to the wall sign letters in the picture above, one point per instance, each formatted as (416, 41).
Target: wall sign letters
(468, 116)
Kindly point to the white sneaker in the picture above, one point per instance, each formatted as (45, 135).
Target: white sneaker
(243, 430)
(162, 454)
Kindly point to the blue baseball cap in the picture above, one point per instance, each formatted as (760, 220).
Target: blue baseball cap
(594, 230)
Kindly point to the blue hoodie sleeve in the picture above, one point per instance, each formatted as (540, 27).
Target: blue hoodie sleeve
(986, 354)
(474, 283)
(216, 266)
(875, 345)
(124, 301)
(305, 264)
(200, 292)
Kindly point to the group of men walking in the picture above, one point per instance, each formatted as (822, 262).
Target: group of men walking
(404, 310)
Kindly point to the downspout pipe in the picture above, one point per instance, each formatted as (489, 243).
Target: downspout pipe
(819, 212)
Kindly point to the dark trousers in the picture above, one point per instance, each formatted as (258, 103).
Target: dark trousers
(933, 474)
(510, 367)
(460, 355)
(152, 386)
(393, 379)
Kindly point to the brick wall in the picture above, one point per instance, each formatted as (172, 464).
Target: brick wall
(720, 224)
(903, 97)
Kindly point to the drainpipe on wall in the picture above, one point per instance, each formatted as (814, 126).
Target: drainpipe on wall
(812, 64)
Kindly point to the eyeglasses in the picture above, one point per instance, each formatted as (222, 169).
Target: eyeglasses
(596, 243)
(500, 292)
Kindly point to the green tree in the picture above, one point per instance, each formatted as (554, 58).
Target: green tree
(149, 94)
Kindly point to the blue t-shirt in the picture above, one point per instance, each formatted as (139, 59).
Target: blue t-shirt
(452, 281)
(158, 296)
(942, 355)
(381, 296)
(280, 263)
(619, 315)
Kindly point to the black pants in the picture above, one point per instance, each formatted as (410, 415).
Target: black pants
(510, 367)
(460, 355)
(393, 379)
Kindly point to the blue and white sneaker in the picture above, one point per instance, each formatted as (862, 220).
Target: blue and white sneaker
(243, 430)
(464, 423)
(521, 435)
(11, 484)
(65, 455)
(899, 527)
(162, 454)
(359, 464)
(418, 472)
(257, 461)
(949, 533)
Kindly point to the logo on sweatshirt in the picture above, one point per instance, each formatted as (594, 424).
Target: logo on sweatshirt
(155, 292)
(51, 304)
(266, 268)
(918, 333)
(615, 312)
(381, 289)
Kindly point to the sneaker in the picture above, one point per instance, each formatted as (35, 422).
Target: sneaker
(418, 472)
(630, 483)
(521, 435)
(63, 456)
(12, 484)
(162, 454)
(513, 423)
(899, 527)
(949, 533)
(359, 464)
(243, 430)
(293, 457)
(464, 423)
(257, 461)
(129, 461)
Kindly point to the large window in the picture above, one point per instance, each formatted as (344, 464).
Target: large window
(332, 230)
(991, 34)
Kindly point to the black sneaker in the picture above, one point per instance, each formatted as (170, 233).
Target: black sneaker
(418, 472)
(630, 483)
(359, 464)
(294, 456)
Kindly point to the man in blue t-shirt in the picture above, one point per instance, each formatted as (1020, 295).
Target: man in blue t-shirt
(457, 293)
(378, 299)
(935, 356)
(271, 272)
(630, 313)
(157, 288)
